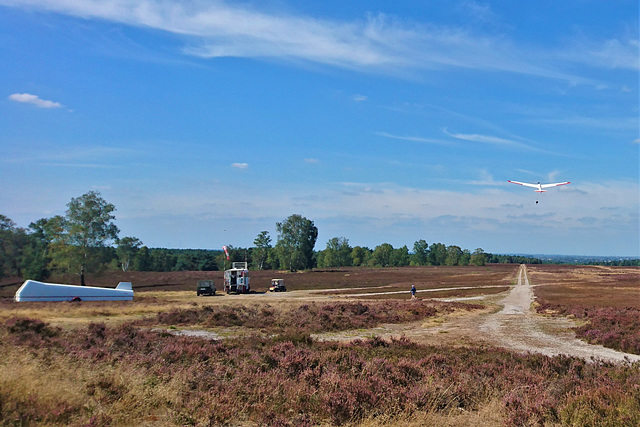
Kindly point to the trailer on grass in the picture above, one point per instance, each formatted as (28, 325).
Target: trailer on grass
(32, 290)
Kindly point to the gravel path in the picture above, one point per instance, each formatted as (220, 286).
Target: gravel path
(518, 327)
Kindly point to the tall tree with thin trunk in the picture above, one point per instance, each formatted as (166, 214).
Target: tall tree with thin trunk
(296, 239)
(127, 249)
(261, 251)
(88, 226)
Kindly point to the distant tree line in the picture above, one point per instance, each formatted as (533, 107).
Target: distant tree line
(618, 262)
(86, 240)
(339, 253)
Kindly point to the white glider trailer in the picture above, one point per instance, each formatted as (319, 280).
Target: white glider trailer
(32, 290)
(236, 279)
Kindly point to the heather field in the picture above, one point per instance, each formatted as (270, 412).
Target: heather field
(255, 359)
(605, 299)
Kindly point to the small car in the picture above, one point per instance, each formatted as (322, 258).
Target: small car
(205, 287)
(277, 285)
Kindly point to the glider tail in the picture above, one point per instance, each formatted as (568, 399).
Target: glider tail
(124, 286)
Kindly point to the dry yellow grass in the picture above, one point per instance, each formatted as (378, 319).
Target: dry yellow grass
(489, 415)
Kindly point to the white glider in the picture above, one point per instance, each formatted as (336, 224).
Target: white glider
(539, 187)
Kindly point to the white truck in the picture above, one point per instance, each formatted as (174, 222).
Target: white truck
(236, 279)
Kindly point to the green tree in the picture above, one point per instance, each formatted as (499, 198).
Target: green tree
(12, 243)
(478, 257)
(420, 253)
(454, 254)
(161, 260)
(88, 226)
(207, 261)
(360, 256)
(437, 254)
(382, 255)
(184, 262)
(37, 254)
(260, 254)
(296, 239)
(143, 260)
(400, 257)
(465, 259)
(273, 261)
(127, 249)
(337, 253)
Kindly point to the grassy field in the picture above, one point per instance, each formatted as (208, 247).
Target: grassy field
(119, 363)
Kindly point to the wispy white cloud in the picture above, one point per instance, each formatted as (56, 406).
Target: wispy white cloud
(359, 98)
(613, 53)
(487, 139)
(485, 179)
(616, 123)
(479, 11)
(240, 165)
(311, 160)
(413, 138)
(97, 156)
(376, 43)
(81, 165)
(28, 98)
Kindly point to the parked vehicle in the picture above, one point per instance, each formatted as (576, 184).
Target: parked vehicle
(277, 285)
(205, 287)
(236, 279)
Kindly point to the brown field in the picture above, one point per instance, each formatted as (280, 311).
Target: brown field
(159, 291)
(119, 363)
(592, 286)
(422, 277)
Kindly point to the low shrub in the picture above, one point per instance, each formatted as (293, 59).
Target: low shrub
(617, 328)
(127, 371)
(307, 318)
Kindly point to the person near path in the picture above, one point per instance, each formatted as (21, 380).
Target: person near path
(413, 291)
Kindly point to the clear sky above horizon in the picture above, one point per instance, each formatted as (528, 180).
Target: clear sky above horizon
(206, 122)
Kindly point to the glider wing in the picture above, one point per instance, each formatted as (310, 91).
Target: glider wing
(555, 184)
(525, 184)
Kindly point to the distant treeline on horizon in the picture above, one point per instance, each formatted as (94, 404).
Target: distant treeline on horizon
(86, 241)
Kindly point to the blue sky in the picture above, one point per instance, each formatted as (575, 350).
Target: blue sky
(206, 122)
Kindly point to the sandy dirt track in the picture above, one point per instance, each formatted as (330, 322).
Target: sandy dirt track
(515, 326)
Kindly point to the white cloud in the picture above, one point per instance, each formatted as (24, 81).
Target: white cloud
(485, 179)
(240, 165)
(481, 12)
(359, 98)
(572, 120)
(412, 138)
(613, 53)
(34, 99)
(376, 43)
(311, 160)
(78, 156)
(488, 139)
(553, 176)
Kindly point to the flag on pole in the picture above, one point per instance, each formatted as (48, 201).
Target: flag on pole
(226, 252)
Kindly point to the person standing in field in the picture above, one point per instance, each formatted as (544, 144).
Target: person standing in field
(413, 291)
